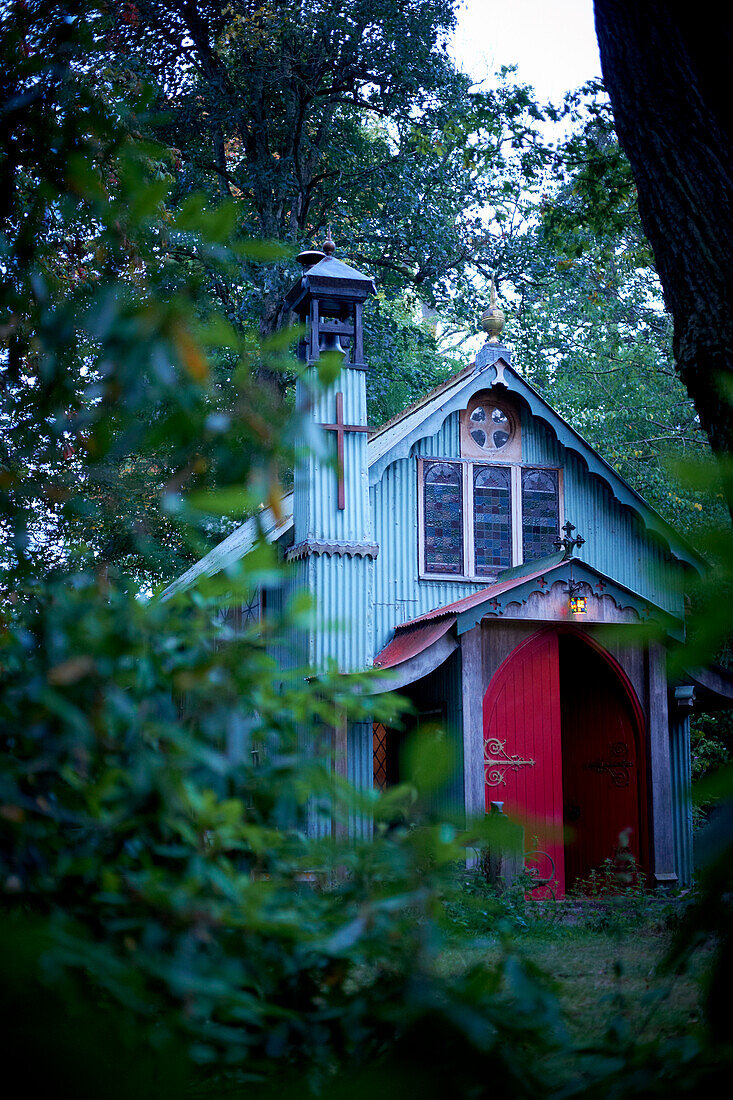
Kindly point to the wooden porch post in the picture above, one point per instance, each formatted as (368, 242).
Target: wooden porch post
(660, 769)
(472, 689)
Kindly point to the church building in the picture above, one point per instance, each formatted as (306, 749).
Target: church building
(517, 589)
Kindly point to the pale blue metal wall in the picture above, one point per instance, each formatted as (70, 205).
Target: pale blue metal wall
(337, 569)
(360, 766)
(315, 511)
(339, 627)
(679, 738)
(616, 542)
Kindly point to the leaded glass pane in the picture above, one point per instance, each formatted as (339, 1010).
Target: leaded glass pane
(500, 428)
(540, 513)
(379, 755)
(492, 519)
(443, 518)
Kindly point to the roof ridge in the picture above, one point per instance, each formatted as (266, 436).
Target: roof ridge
(497, 587)
(462, 373)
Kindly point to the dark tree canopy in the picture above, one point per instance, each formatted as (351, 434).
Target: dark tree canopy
(667, 72)
(268, 98)
(342, 111)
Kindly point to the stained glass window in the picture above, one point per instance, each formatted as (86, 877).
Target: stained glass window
(443, 500)
(492, 519)
(540, 512)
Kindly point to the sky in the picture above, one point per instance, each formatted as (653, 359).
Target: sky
(552, 41)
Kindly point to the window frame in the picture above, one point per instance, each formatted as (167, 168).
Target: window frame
(421, 513)
(467, 465)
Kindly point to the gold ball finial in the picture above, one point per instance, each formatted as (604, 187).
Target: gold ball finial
(329, 246)
(492, 321)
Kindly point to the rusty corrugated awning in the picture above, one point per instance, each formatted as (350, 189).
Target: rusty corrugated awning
(476, 598)
(415, 636)
(409, 641)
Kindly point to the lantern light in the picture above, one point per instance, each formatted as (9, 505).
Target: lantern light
(577, 604)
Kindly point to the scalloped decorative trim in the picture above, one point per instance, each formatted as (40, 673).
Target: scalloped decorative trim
(318, 546)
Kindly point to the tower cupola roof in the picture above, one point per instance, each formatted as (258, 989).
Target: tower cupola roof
(327, 278)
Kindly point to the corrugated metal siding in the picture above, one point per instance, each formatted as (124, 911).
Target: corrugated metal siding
(616, 541)
(315, 511)
(679, 736)
(360, 772)
(318, 818)
(281, 649)
(291, 652)
(446, 443)
(341, 584)
(343, 615)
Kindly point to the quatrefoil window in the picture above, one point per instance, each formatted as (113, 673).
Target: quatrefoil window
(490, 428)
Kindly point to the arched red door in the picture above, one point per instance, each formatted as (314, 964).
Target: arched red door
(522, 744)
(563, 749)
(603, 766)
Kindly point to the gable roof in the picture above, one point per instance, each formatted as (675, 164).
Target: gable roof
(233, 548)
(394, 440)
(324, 276)
(492, 367)
(331, 268)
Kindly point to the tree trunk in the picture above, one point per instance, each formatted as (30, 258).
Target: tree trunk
(667, 70)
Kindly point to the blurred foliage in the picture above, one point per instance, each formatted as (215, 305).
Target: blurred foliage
(711, 742)
(711, 737)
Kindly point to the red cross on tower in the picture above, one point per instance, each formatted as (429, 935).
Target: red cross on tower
(340, 428)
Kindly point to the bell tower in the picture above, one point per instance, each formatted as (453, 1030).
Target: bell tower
(333, 549)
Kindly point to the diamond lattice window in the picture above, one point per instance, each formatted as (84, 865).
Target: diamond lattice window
(379, 754)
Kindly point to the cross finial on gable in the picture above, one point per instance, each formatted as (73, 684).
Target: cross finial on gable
(568, 544)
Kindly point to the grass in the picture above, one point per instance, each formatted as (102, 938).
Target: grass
(604, 962)
(606, 978)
